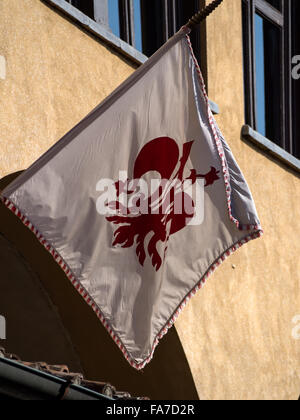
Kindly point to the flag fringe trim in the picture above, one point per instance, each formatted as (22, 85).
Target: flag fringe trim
(89, 300)
(225, 170)
(256, 233)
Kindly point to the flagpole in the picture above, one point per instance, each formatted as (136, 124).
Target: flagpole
(202, 14)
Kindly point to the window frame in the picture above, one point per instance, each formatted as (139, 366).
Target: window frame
(89, 6)
(282, 19)
(165, 17)
(101, 31)
(168, 16)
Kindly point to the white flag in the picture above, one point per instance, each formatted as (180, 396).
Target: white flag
(141, 201)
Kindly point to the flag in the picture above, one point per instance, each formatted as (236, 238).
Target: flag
(141, 201)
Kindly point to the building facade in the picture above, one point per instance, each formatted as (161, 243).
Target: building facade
(239, 337)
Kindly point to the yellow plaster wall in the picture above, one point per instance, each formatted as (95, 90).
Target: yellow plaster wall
(55, 75)
(237, 332)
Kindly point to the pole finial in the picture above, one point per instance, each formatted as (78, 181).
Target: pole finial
(200, 16)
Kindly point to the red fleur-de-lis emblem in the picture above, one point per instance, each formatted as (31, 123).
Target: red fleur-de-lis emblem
(162, 156)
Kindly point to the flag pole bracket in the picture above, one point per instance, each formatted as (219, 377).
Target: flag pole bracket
(203, 14)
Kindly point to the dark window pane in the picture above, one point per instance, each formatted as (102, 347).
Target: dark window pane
(269, 100)
(275, 3)
(85, 6)
(114, 17)
(153, 25)
(184, 11)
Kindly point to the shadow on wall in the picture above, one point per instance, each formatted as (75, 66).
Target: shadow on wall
(48, 320)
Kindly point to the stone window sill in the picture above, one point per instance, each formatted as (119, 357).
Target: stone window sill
(263, 143)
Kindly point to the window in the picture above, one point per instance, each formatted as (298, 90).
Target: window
(161, 19)
(86, 6)
(144, 24)
(271, 40)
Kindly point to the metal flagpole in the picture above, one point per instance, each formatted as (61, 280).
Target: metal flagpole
(202, 14)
